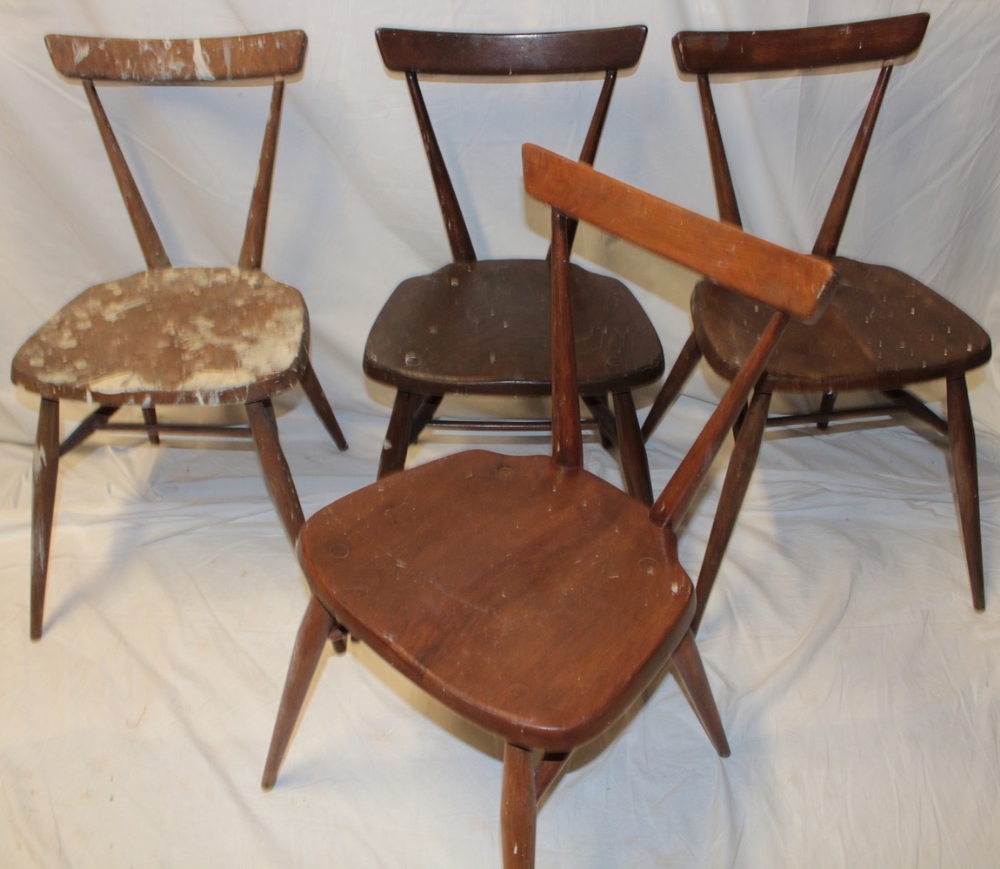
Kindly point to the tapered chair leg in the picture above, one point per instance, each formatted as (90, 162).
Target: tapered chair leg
(826, 406)
(317, 623)
(734, 489)
(688, 358)
(397, 436)
(519, 808)
(277, 474)
(317, 398)
(963, 459)
(46, 469)
(607, 426)
(691, 672)
(635, 464)
(423, 412)
(149, 417)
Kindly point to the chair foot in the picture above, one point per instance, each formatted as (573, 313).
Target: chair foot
(317, 624)
(317, 398)
(519, 808)
(962, 437)
(46, 469)
(734, 490)
(691, 672)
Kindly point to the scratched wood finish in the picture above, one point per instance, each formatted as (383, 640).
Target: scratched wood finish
(166, 336)
(882, 331)
(482, 327)
(488, 580)
(178, 61)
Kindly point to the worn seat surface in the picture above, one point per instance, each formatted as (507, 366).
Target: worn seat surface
(483, 327)
(171, 336)
(882, 329)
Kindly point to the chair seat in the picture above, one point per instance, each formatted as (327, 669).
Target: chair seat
(537, 602)
(483, 328)
(171, 336)
(883, 329)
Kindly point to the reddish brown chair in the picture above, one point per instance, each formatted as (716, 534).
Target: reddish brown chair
(489, 580)
(883, 330)
(480, 327)
(173, 336)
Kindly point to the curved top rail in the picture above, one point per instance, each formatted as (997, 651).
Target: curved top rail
(882, 39)
(559, 53)
(178, 61)
(795, 283)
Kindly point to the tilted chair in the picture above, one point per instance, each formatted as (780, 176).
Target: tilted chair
(883, 330)
(173, 336)
(488, 579)
(481, 327)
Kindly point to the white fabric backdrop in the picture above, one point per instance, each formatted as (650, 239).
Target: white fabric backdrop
(855, 681)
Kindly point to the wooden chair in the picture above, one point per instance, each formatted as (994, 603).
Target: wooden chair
(488, 579)
(481, 327)
(173, 336)
(882, 332)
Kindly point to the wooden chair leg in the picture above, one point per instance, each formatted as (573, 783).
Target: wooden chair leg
(317, 623)
(689, 357)
(423, 413)
(962, 436)
(734, 489)
(632, 449)
(317, 398)
(691, 672)
(519, 808)
(607, 426)
(825, 406)
(43, 502)
(86, 428)
(149, 417)
(397, 437)
(277, 474)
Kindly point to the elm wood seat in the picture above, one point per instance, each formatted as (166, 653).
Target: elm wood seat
(166, 336)
(488, 579)
(481, 327)
(883, 330)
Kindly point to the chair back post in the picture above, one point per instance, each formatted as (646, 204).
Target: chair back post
(462, 249)
(252, 252)
(150, 243)
(418, 52)
(885, 40)
(567, 440)
(272, 56)
(725, 193)
(836, 215)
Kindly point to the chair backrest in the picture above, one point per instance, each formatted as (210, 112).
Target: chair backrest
(261, 57)
(795, 285)
(886, 40)
(561, 54)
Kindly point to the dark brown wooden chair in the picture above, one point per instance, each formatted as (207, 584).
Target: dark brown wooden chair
(883, 330)
(489, 580)
(480, 327)
(173, 336)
